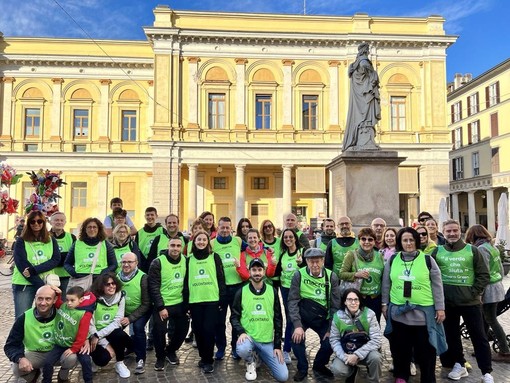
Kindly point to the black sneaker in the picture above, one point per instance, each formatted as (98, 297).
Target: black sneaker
(324, 371)
(300, 376)
(159, 365)
(201, 364)
(208, 368)
(172, 358)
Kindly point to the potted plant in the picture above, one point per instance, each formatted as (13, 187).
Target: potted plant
(504, 256)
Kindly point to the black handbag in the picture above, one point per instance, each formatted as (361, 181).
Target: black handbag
(354, 340)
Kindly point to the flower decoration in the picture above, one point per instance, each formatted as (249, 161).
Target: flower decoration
(9, 176)
(44, 198)
(7, 204)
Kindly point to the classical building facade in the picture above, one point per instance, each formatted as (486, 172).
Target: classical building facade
(235, 113)
(480, 165)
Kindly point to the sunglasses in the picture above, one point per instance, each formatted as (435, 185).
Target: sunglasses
(268, 226)
(110, 284)
(367, 239)
(36, 221)
(422, 234)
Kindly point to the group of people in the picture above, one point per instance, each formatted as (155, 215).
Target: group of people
(146, 289)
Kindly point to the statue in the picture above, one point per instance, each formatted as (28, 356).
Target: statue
(364, 104)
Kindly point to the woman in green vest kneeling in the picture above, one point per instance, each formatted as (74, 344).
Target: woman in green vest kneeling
(413, 305)
(355, 338)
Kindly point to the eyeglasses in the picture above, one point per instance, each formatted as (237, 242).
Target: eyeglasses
(36, 221)
(367, 239)
(128, 262)
(422, 234)
(92, 228)
(352, 300)
(107, 284)
(268, 226)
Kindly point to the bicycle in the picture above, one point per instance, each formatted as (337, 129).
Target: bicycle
(7, 268)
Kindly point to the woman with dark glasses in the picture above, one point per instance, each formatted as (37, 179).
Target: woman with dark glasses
(367, 264)
(426, 244)
(35, 255)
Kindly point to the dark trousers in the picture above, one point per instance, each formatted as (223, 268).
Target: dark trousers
(139, 337)
(177, 322)
(472, 317)
(221, 328)
(324, 353)
(289, 327)
(119, 341)
(374, 304)
(205, 316)
(403, 340)
(53, 357)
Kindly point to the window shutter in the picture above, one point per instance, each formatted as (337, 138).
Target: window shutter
(469, 106)
(487, 101)
(452, 111)
(478, 130)
(460, 110)
(497, 92)
(453, 137)
(470, 141)
(494, 125)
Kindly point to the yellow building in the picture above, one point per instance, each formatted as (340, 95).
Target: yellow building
(480, 165)
(235, 113)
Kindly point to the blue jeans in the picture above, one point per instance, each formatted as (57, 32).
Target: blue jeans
(55, 355)
(265, 352)
(289, 327)
(23, 298)
(139, 337)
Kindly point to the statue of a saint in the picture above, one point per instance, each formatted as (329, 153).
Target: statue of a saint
(364, 104)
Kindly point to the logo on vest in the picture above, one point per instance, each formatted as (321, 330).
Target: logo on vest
(228, 255)
(289, 266)
(91, 255)
(259, 310)
(47, 335)
(177, 275)
(60, 248)
(40, 253)
(106, 317)
(202, 274)
(60, 325)
(318, 292)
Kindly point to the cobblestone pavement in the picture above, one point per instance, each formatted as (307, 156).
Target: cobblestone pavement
(227, 370)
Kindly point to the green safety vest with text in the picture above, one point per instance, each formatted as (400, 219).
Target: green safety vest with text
(202, 281)
(38, 336)
(145, 239)
(37, 253)
(163, 244)
(84, 256)
(258, 313)
(276, 253)
(372, 285)
(172, 280)
(456, 267)
(344, 327)
(64, 244)
(314, 288)
(133, 290)
(103, 315)
(67, 322)
(228, 252)
(417, 272)
(494, 263)
(119, 252)
(339, 252)
(289, 267)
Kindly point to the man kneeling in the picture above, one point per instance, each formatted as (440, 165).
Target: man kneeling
(257, 317)
(355, 338)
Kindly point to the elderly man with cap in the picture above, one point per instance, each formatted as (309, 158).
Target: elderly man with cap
(313, 299)
(257, 318)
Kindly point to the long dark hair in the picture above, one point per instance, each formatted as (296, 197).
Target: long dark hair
(344, 298)
(194, 247)
(239, 232)
(28, 234)
(205, 214)
(100, 229)
(283, 247)
(100, 282)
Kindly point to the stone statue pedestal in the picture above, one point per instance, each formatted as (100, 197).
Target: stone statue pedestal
(363, 186)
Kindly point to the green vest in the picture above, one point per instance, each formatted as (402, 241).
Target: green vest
(228, 252)
(456, 267)
(172, 280)
(188, 248)
(202, 281)
(314, 288)
(133, 290)
(145, 239)
(418, 273)
(84, 255)
(339, 253)
(289, 267)
(344, 327)
(37, 253)
(64, 244)
(67, 322)
(257, 314)
(119, 252)
(38, 336)
(276, 253)
(163, 244)
(372, 285)
(103, 315)
(494, 263)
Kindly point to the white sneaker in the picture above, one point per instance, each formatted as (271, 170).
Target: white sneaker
(95, 367)
(412, 368)
(140, 367)
(487, 378)
(194, 343)
(458, 372)
(122, 370)
(287, 358)
(251, 371)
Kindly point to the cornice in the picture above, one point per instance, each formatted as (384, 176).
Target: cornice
(77, 61)
(190, 36)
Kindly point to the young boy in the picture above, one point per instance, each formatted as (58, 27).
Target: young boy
(70, 333)
(145, 236)
(109, 221)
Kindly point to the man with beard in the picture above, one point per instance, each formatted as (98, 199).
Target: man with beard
(379, 226)
(465, 276)
(160, 243)
(338, 247)
(292, 223)
(257, 318)
(327, 235)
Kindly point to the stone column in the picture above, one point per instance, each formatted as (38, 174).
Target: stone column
(333, 94)
(239, 192)
(491, 213)
(56, 109)
(455, 206)
(6, 132)
(192, 190)
(193, 92)
(287, 189)
(104, 111)
(287, 94)
(240, 94)
(102, 192)
(471, 207)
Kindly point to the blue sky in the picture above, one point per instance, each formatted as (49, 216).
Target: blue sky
(482, 25)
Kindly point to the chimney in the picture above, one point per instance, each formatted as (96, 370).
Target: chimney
(457, 81)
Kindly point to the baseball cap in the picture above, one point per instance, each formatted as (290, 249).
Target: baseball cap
(313, 252)
(256, 262)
